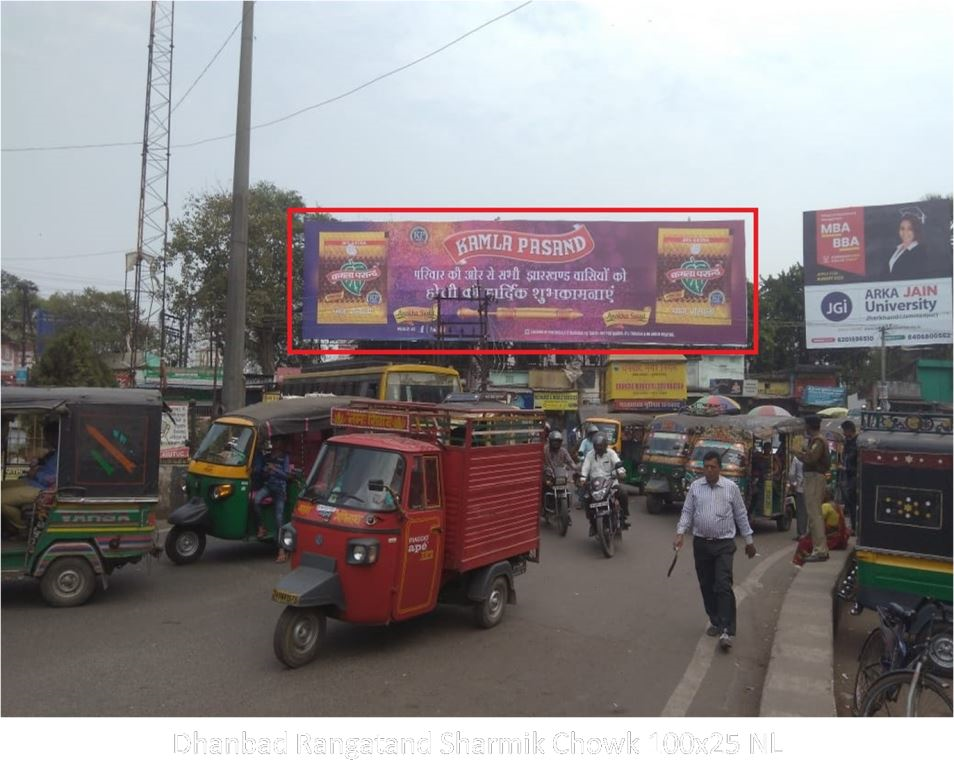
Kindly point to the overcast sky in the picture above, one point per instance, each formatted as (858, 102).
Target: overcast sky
(787, 107)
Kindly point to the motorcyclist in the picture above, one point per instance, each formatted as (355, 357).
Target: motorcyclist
(586, 444)
(603, 461)
(555, 456)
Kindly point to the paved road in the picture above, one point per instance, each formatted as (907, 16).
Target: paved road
(589, 636)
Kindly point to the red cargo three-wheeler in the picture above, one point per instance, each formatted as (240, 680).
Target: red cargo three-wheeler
(410, 505)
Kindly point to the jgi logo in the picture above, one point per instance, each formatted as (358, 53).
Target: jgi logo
(836, 306)
(418, 235)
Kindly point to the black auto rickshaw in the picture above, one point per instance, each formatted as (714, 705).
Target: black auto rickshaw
(220, 482)
(99, 512)
(904, 535)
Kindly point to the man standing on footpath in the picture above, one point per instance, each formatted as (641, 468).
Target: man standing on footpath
(714, 511)
(850, 481)
(815, 463)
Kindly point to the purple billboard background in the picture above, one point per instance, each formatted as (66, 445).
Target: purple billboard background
(555, 281)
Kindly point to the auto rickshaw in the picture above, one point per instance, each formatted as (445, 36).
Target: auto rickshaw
(762, 477)
(413, 504)
(903, 546)
(626, 433)
(100, 513)
(220, 481)
(662, 472)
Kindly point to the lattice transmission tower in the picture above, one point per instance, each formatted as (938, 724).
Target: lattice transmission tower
(148, 260)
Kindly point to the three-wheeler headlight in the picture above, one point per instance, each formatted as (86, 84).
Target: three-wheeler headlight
(287, 537)
(221, 491)
(362, 551)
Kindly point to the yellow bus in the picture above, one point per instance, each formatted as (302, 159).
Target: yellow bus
(380, 381)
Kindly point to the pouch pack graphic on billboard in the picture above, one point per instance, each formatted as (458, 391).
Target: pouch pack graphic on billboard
(693, 276)
(354, 286)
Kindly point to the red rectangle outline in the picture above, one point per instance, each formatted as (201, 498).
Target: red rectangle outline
(754, 350)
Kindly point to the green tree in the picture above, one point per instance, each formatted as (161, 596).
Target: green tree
(71, 361)
(19, 301)
(201, 242)
(104, 315)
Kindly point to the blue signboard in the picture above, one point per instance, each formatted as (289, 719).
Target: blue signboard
(824, 396)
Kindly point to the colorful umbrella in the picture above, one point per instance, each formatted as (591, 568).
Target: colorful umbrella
(714, 405)
(769, 410)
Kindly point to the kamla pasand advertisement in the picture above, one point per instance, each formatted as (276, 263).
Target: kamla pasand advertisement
(878, 271)
(553, 282)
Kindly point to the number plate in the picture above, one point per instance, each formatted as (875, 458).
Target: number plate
(280, 596)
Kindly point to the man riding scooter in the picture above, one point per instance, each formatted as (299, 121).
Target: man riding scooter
(556, 457)
(603, 461)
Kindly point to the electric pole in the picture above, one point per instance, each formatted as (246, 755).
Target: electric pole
(233, 377)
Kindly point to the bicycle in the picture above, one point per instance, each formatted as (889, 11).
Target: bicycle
(898, 642)
(914, 692)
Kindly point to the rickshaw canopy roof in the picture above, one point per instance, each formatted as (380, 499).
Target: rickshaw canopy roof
(291, 415)
(625, 418)
(680, 422)
(58, 398)
(763, 427)
(921, 433)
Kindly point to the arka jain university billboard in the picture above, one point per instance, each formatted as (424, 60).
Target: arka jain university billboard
(878, 270)
(554, 282)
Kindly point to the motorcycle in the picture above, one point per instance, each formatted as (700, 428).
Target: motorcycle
(556, 499)
(604, 510)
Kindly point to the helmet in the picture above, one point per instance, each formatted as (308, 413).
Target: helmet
(556, 436)
(591, 428)
(599, 443)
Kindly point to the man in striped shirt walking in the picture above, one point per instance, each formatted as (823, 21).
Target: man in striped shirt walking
(713, 511)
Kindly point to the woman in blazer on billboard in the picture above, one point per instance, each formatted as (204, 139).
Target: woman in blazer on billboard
(909, 260)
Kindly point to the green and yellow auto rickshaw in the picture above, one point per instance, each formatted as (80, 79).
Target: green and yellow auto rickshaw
(220, 482)
(662, 471)
(903, 546)
(626, 433)
(754, 451)
(99, 513)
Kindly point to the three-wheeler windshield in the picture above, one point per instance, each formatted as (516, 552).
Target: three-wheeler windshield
(341, 475)
(666, 443)
(227, 444)
(731, 454)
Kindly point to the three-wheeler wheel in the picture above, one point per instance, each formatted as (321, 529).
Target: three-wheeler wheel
(655, 503)
(68, 582)
(184, 545)
(298, 635)
(489, 613)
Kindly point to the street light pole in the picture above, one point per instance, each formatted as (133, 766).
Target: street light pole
(233, 378)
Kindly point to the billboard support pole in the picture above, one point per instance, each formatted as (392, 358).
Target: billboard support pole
(883, 383)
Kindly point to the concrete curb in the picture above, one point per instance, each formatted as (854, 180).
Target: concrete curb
(800, 677)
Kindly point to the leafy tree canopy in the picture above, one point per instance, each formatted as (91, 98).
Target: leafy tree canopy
(71, 361)
(201, 241)
(17, 295)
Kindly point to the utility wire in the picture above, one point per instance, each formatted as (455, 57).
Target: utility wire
(211, 62)
(113, 252)
(288, 116)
